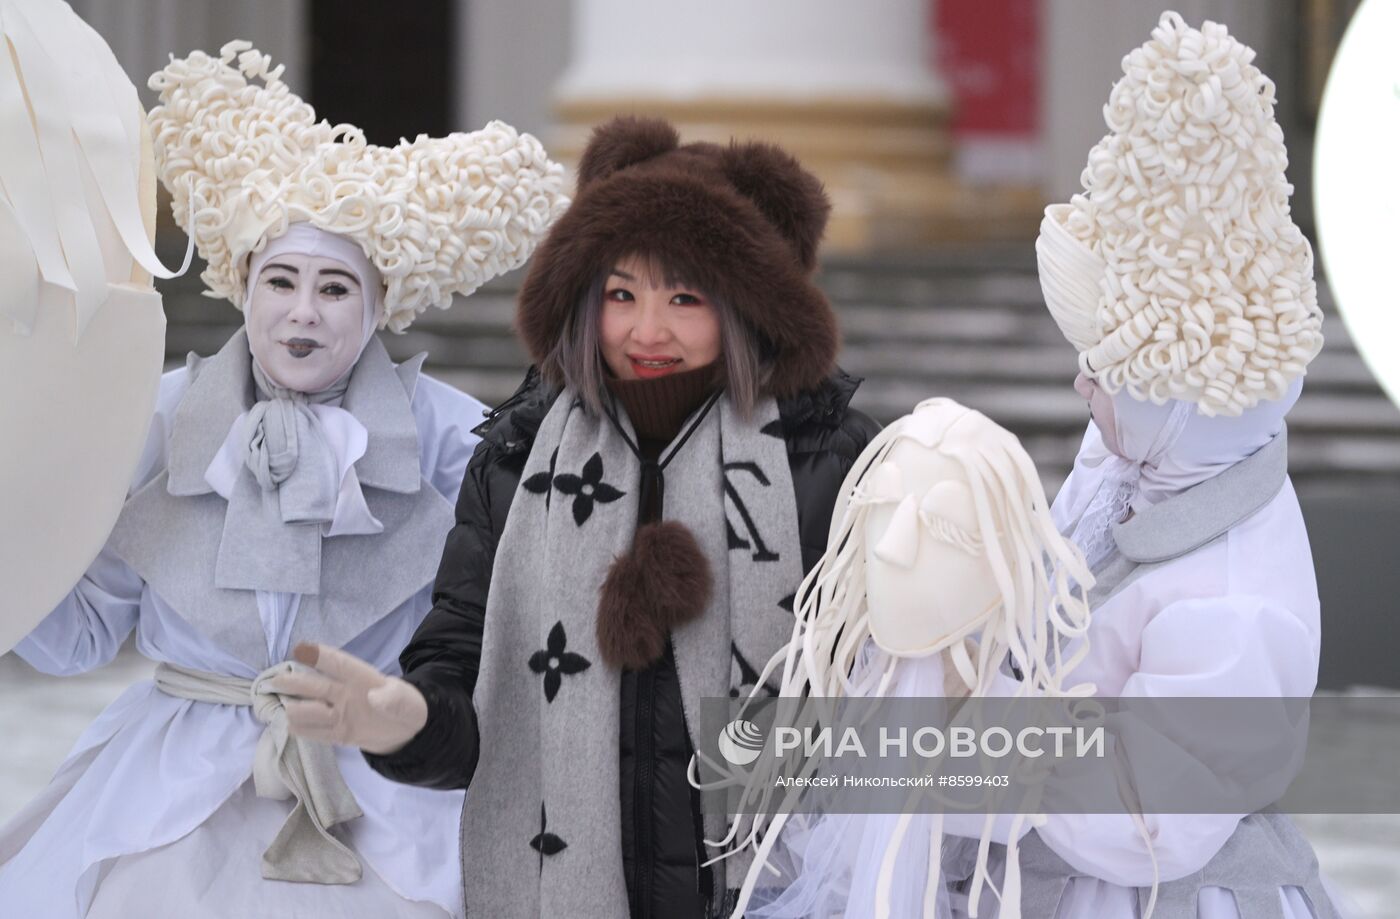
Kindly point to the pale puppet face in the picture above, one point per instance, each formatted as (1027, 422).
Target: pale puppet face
(306, 317)
(649, 329)
(927, 576)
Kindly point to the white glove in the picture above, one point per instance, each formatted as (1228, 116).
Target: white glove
(348, 702)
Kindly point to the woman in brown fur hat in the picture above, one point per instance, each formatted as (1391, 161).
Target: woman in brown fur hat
(629, 533)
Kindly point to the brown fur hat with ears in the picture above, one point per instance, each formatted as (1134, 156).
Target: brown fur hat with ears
(741, 222)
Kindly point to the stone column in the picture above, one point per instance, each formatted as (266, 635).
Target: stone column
(847, 87)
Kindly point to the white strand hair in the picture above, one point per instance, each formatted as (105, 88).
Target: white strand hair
(1041, 576)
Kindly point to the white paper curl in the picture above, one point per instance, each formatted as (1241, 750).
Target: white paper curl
(1207, 293)
(82, 332)
(437, 216)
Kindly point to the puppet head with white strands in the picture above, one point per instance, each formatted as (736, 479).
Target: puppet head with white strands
(941, 532)
(941, 544)
(1178, 273)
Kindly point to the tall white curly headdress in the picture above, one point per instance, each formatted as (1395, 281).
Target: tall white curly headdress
(1178, 273)
(436, 216)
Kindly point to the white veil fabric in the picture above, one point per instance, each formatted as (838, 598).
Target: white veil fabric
(835, 859)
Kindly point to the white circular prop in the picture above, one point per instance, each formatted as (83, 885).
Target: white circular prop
(75, 419)
(82, 332)
(1356, 186)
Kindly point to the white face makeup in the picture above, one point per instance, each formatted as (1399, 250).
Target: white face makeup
(928, 580)
(306, 319)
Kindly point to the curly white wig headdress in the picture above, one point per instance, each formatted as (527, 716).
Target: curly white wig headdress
(1178, 273)
(436, 216)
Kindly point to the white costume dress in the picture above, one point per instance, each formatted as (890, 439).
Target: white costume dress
(1232, 610)
(153, 813)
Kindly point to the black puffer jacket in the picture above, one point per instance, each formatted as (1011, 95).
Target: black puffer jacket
(661, 832)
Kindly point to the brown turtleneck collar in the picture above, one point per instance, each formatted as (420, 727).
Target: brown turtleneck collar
(658, 408)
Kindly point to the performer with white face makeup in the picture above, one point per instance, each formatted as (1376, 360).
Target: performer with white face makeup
(310, 316)
(296, 486)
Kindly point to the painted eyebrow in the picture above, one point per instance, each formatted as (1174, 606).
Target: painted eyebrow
(289, 268)
(622, 274)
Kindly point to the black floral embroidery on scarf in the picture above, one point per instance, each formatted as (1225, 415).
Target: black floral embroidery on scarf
(545, 842)
(587, 488)
(539, 482)
(554, 661)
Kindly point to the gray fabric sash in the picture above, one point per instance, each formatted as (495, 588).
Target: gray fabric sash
(541, 825)
(284, 767)
(1199, 515)
(174, 531)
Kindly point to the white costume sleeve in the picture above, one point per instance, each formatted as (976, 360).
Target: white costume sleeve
(88, 627)
(1220, 647)
(445, 418)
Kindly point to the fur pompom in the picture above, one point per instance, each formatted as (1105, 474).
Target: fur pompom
(789, 196)
(620, 143)
(662, 583)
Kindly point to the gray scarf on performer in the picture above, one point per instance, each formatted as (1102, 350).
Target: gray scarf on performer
(287, 452)
(541, 825)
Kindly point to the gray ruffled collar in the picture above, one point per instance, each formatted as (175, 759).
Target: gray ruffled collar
(1202, 513)
(221, 388)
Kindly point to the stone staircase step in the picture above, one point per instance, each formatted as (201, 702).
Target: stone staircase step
(966, 323)
(1029, 363)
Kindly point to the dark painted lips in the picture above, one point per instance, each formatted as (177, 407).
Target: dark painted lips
(301, 347)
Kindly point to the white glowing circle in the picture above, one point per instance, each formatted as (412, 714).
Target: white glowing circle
(1356, 186)
(740, 742)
